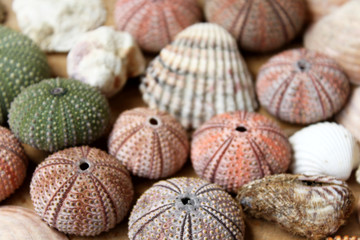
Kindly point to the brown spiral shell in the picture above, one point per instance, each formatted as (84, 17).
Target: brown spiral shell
(13, 163)
(81, 191)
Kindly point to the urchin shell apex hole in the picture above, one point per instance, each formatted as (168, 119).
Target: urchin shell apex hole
(302, 65)
(84, 166)
(186, 201)
(153, 121)
(58, 91)
(241, 129)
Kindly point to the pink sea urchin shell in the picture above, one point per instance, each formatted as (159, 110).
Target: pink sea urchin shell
(81, 191)
(155, 23)
(186, 208)
(302, 86)
(150, 143)
(232, 149)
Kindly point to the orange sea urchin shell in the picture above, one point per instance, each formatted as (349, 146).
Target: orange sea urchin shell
(13, 163)
(149, 143)
(302, 86)
(232, 149)
(81, 191)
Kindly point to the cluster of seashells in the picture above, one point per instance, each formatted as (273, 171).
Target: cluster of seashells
(202, 104)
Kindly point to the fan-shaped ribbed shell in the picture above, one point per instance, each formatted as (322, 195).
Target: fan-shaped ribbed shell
(81, 191)
(155, 23)
(258, 25)
(321, 8)
(235, 148)
(149, 143)
(310, 206)
(302, 86)
(199, 75)
(186, 208)
(17, 223)
(337, 35)
(325, 149)
(13, 163)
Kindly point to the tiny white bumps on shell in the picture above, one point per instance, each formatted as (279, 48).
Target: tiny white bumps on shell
(55, 25)
(324, 149)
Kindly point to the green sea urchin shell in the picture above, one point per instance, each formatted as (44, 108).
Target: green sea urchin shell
(59, 113)
(22, 63)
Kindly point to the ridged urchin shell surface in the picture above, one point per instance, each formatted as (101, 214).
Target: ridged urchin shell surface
(155, 23)
(199, 75)
(258, 25)
(150, 143)
(186, 208)
(302, 86)
(232, 149)
(82, 191)
(59, 113)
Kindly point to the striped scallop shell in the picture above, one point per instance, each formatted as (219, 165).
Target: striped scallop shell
(18, 223)
(199, 75)
(149, 143)
(325, 149)
(302, 86)
(310, 206)
(321, 8)
(258, 25)
(338, 36)
(155, 23)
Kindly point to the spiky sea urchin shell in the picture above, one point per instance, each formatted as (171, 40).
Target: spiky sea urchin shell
(258, 25)
(149, 143)
(186, 208)
(21, 64)
(13, 163)
(232, 149)
(59, 113)
(154, 24)
(302, 86)
(310, 206)
(81, 191)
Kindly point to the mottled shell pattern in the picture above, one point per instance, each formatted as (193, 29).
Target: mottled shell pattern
(199, 75)
(337, 35)
(258, 25)
(154, 24)
(81, 191)
(232, 149)
(310, 206)
(13, 163)
(343, 238)
(325, 149)
(186, 208)
(321, 8)
(18, 223)
(150, 143)
(302, 86)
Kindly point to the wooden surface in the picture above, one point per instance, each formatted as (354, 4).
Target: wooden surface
(130, 97)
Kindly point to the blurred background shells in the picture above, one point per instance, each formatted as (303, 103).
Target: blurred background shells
(321, 8)
(325, 149)
(18, 223)
(337, 35)
(309, 206)
(150, 143)
(346, 237)
(154, 24)
(302, 86)
(3, 12)
(258, 25)
(232, 149)
(199, 75)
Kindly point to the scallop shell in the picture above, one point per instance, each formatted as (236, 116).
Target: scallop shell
(199, 75)
(325, 149)
(18, 223)
(258, 25)
(337, 35)
(310, 206)
(321, 8)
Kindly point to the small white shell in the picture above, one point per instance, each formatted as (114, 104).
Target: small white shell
(324, 149)
(105, 58)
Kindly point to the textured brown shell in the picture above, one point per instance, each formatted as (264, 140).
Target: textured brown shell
(81, 191)
(258, 25)
(149, 143)
(235, 148)
(13, 163)
(186, 208)
(302, 86)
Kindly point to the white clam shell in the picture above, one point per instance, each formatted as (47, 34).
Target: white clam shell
(324, 149)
